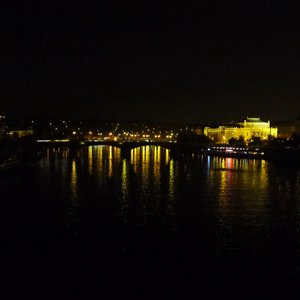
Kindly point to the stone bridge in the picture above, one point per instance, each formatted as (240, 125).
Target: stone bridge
(176, 149)
(126, 147)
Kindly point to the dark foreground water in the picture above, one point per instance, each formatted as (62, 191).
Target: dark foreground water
(94, 225)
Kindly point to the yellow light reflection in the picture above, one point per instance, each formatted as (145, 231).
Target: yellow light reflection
(90, 160)
(110, 161)
(98, 171)
(145, 151)
(243, 177)
(136, 158)
(167, 156)
(73, 181)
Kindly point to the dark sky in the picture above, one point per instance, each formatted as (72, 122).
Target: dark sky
(193, 61)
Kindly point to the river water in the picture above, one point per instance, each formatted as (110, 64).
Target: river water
(90, 223)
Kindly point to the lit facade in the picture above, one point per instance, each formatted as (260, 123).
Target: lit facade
(251, 127)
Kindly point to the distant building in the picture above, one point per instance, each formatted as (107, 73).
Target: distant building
(250, 127)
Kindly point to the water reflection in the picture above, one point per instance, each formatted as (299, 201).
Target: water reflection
(148, 162)
(73, 210)
(73, 182)
(124, 190)
(90, 160)
(171, 181)
(242, 198)
(247, 173)
(241, 190)
(157, 215)
(102, 161)
(229, 177)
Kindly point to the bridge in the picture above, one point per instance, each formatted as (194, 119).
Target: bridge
(124, 146)
(127, 146)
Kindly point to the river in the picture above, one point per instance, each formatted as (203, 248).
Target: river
(89, 223)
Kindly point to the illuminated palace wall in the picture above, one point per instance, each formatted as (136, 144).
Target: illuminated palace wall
(248, 128)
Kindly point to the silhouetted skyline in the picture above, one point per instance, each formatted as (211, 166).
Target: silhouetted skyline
(162, 61)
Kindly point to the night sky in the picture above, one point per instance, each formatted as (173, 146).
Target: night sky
(188, 62)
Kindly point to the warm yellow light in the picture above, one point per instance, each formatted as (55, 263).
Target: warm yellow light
(74, 132)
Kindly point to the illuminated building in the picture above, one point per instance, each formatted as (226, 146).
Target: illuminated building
(251, 127)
